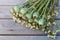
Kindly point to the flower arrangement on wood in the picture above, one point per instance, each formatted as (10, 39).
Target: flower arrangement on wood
(37, 14)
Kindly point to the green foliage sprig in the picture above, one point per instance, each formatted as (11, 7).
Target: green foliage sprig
(37, 14)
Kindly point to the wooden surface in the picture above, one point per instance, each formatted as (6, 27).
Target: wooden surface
(9, 30)
(25, 38)
(7, 25)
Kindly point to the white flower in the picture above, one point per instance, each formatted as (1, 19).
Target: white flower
(12, 10)
(41, 21)
(35, 14)
(28, 16)
(17, 8)
(23, 10)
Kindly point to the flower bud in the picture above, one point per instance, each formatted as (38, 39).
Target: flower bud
(23, 10)
(29, 16)
(17, 8)
(35, 15)
(12, 11)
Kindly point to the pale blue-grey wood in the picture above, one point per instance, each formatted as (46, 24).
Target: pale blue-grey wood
(11, 2)
(58, 16)
(7, 25)
(27, 38)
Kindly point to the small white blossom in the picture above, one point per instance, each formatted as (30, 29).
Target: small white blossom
(41, 22)
(16, 9)
(28, 16)
(23, 10)
(35, 14)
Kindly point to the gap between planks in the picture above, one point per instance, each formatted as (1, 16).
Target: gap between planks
(12, 18)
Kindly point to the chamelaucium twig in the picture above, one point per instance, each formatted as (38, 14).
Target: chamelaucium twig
(37, 15)
(43, 11)
(35, 4)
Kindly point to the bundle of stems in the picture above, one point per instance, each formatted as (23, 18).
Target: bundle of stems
(36, 14)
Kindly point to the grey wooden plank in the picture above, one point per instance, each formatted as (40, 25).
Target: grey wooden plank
(59, 2)
(5, 12)
(25, 38)
(10, 27)
(58, 24)
(11, 2)
(58, 16)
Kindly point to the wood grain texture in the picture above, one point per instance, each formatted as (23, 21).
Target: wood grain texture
(10, 27)
(58, 16)
(25, 38)
(11, 2)
(5, 12)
